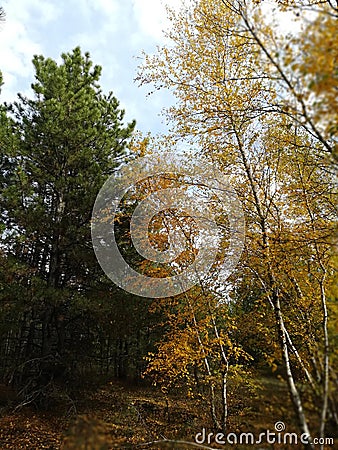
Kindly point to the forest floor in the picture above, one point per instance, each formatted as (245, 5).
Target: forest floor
(120, 415)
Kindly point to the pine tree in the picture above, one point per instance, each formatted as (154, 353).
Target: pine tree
(69, 138)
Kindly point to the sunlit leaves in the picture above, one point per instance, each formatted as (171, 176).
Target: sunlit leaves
(261, 101)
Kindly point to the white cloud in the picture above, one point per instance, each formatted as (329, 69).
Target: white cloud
(151, 16)
(31, 10)
(19, 41)
(108, 7)
(89, 8)
(15, 56)
(45, 11)
(113, 31)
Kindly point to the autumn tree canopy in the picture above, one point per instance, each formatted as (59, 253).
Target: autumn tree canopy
(255, 88)
(260, 100)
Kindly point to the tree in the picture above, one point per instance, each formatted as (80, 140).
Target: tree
(240, 102)
(301, 67)
(196, 347)
(67, 140)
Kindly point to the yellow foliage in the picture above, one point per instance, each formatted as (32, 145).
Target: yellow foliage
(262, 104)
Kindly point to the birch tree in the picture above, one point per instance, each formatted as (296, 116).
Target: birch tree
(241, 101)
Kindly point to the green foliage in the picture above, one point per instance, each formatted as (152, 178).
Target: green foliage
(70, 136)
(57, 149)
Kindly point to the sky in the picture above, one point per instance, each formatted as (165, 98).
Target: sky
(114, 32)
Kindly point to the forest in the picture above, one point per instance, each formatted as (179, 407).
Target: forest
(230, 341)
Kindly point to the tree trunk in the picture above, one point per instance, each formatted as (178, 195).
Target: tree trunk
(295, 397)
